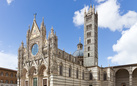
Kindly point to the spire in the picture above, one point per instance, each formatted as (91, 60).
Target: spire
(22, 44)
(29, 28)
(42, 24)
(52, 30)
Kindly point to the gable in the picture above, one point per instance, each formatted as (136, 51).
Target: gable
(34, 31)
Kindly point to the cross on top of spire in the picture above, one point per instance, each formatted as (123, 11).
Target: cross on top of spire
(79, 39)
(35, 15)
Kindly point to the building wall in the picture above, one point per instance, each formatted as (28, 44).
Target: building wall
(8, 77)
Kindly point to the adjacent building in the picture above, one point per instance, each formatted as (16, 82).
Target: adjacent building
(8, 77)
(42, 63)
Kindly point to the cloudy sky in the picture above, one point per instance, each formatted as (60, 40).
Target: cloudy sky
(117, 27)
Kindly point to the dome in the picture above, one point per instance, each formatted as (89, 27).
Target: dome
(78, 53)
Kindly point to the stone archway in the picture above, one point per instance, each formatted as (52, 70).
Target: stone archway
(122, 77)
(42, 81)
(134, 77)
(23, 77)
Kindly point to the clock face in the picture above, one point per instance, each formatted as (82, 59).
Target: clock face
(35, 49)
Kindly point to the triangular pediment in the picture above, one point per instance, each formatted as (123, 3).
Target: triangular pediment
(35, 30)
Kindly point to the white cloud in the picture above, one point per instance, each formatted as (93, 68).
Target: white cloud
(126, 47)
(8, 60)
(78, 18)
(9, 1)
(100, 1)
(109, 16)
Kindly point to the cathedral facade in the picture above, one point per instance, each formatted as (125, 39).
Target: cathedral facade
(42, 63)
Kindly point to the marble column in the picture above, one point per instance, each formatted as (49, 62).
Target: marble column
(130, 79)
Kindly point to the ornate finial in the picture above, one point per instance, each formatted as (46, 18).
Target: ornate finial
(22, 44)
(52, 30)
(79, 39)
(35, 16)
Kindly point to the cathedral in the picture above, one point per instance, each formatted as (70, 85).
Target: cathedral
(42, 63)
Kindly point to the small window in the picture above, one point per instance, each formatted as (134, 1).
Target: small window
(83, 75)
(105, 76)
(88, 54)
(88, 48)
(77, 73)
(69, 58)
(89, 34)
(90, 76)
(7, 81)
(11, 82)
(99, 75)
(88, 41)
(70, 72)
(61, 70)
(1, 81)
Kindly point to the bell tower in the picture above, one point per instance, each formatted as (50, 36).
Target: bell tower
(90, 38)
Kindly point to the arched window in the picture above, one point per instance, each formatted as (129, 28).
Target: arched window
(1, 74)
(11, 75)
(77, 73)
(70, 71)
(7, 74)
(105, 76)
(61, 70)
(83, 75)
(90, 76)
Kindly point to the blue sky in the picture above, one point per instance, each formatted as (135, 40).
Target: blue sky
(116, 35)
